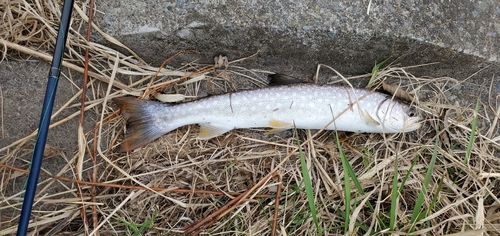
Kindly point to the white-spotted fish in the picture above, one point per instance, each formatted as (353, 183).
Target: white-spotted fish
(304, 106)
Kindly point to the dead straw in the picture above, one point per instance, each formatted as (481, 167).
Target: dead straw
(223, 186)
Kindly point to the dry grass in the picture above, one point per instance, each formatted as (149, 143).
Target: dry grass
(230, 183)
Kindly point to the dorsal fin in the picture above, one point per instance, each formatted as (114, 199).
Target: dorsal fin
(281, 79)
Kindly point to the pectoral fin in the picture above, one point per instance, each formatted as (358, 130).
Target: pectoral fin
(210, 130)
(369, 119)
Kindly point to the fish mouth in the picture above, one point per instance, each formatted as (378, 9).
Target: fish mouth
(411, 124)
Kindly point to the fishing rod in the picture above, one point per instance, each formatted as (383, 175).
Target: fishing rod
(43, 127)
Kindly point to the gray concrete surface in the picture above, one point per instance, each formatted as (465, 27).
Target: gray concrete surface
(292, 36)
(23, 86)
(331, 30)
(469, 27)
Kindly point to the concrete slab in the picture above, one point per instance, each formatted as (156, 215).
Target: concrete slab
(23, 86)
(328, 31)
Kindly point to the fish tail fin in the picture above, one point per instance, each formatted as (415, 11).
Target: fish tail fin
(140, 121)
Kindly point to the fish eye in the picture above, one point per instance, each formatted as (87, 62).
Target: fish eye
(412, 112)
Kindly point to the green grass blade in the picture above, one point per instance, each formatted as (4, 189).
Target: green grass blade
(369, 155)
(408, 173)
(308, 185)
(352, 175)
(347, 184)
(148, 224)
(436, 195)
(374, 73)
(138, 229)
(416, 214)
(394, 196)
(472, 133)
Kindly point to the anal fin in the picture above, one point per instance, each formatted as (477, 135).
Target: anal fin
(210, 130)
(272, 131)
(278, 125)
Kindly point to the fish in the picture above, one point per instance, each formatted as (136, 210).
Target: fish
(303, 106)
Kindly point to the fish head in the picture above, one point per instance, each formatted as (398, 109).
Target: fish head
(396, 116)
